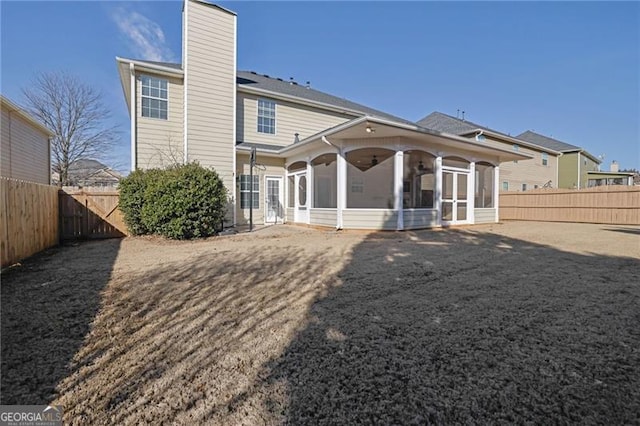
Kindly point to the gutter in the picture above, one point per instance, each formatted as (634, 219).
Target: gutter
(515, 140)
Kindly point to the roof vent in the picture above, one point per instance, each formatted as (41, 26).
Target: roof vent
(279, 79)
(265, 75)
(253, 72)
(308, 86)
(291, 80)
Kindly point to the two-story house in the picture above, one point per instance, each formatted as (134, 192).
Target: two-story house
(539, 172)
(322, 160)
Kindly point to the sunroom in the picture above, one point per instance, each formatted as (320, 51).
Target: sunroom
(371, 173)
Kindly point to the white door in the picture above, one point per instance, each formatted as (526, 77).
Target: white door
(455, 203)
(273, 209)
(301, 214)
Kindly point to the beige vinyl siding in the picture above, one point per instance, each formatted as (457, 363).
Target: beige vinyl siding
(484, 215)
(420, 218)
(25, 150)
(323, 217)
(267, 167)
(370, 219)
(210, 88)
(531, 172)
(291, 118)
(160, 143)
(289, 213)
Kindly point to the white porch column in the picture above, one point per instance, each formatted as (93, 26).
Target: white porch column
(438, 193)
(398, 164)
(341, 193)
(471, 193)
(309, 189)
(496, 191)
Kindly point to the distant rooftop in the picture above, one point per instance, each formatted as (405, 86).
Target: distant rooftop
(546, 141)
(446, 123)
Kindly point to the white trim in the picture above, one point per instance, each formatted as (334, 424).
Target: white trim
(185, 63)
(341, 178)
(496, 191)
(513, 140)
(309, 190)
(398, 165)
(471, 193)
(437, 197)
(134, 115)
(158, 69)
(235, 123)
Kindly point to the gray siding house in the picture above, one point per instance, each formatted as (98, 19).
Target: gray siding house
(322, 160)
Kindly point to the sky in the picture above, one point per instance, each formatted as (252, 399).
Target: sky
(569, 70)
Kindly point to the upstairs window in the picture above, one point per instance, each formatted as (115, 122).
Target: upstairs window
(516, 148)
(266, 117)
(154, 97)
(545, 159)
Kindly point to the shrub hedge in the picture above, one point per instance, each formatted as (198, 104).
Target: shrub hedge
(181, 202)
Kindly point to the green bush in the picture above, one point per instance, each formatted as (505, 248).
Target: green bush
(181, 202)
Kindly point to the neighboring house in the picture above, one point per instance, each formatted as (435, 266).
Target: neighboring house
(26, 151)
(87, 172)
(576, 165)
(613, 177)
(322, 160)
(539, 172)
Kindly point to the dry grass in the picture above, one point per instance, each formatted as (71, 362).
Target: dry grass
(503, 323)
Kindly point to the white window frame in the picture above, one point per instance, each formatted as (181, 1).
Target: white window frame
(260, 128)
(545, 159)
(244, 188)
(159, 98)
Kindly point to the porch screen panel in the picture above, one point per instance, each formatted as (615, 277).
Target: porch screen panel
(484, 185)
(418, 180)
(325, 181)
(291, 201)
(370, 179)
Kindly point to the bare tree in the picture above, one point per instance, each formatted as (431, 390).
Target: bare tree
(74, 111)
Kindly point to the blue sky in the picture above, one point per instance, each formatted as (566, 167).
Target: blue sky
(569, 70)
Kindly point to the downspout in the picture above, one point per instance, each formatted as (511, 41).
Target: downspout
(133, 103)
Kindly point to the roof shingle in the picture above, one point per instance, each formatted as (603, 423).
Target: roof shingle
(546, 141)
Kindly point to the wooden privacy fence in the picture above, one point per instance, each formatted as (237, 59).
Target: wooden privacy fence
(616, 205)
(90, 213)
(29, 217)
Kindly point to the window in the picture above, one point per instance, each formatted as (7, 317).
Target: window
(154, 97)
(524, 186)
(245, 191)
(505, 186)
(516, 148)
(266, 117)
(545, 159)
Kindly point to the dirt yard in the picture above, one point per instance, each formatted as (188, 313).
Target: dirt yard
(507, 323)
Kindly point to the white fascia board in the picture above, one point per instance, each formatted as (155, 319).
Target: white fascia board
(297, 100)
(156, 69)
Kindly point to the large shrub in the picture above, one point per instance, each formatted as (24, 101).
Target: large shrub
(181, 202)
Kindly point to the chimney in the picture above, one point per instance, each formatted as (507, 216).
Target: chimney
(614, 166)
